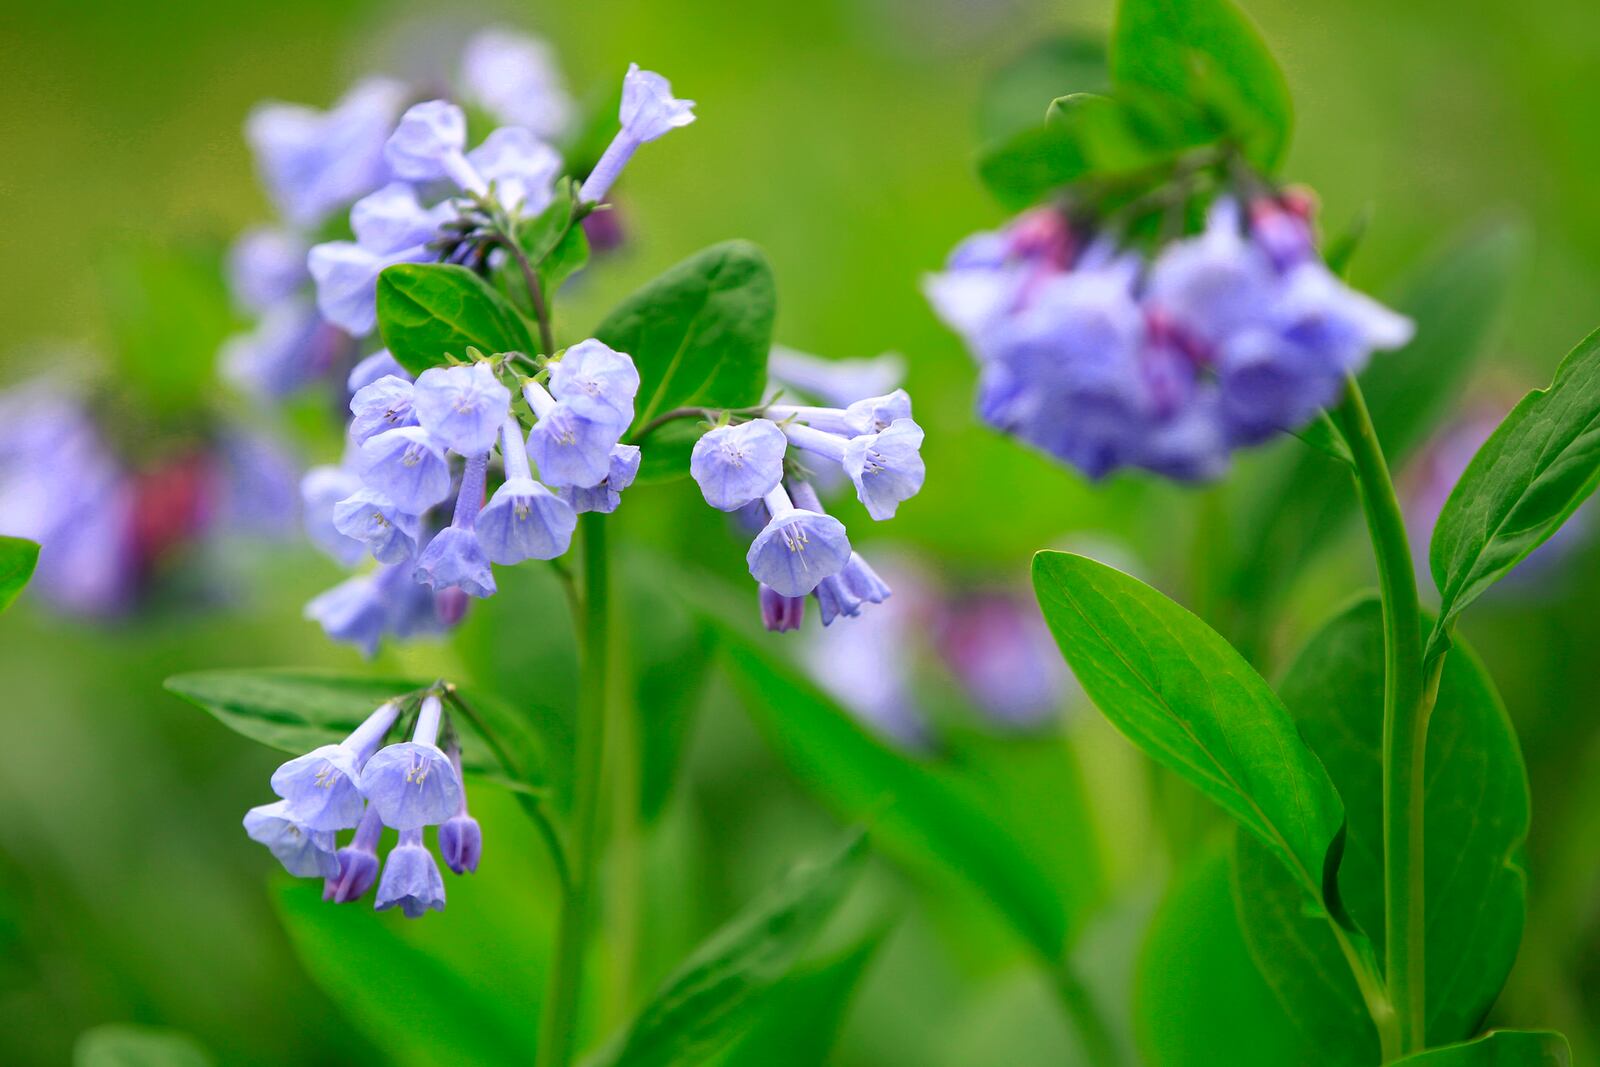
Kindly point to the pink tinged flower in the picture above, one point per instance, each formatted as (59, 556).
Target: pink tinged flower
(780, 613)
(460, 836)
(358, 862)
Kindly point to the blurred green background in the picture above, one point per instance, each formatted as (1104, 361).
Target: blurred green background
(840, 137)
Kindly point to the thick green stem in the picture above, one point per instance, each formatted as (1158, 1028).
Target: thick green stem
(1405, 725)
(559, 1018)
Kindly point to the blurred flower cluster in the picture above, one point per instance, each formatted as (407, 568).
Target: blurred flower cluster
(744, 465)
(108, 524)
(1105, 360)
(363, 784)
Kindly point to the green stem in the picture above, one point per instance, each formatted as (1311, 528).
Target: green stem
(1094, 1034)
(1405, 725)
(556, 1030)
(625, 856)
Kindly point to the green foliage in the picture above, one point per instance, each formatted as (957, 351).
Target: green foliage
(1526, 479)
(168, 314)
(1477, 812)
(1184, 696)
(18, 557)
(123, 1045)
(428, 311)
(1015, 96)
(715, 994)
(295, 711)
(1200, 1000)
(1207, 53)
(699, 333)
(1009, 822)
(554, 242)
(1499, 1048)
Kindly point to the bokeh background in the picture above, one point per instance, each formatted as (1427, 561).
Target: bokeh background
(840, 136)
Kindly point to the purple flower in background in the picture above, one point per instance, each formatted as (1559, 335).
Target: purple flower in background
(315, 162)
(358, 862)
(462, 407)
(838, 382)
(304, 852)
(522, 169)
(516, 79)
(321, 491)
(288, 347)
(319, 788)
(648, 111)
(1000, 651)
(266, 265)
(371, 368)
(347, 281)
(413, 784)
(734, 465)
(411, 879)
(429, 144)
(392, 219)
(366, 608)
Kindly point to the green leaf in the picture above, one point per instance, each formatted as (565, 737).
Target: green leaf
(295, 711)
(1183, 695)
(555, 242)
(699, 333)
(125, 1045)
(1296, 508)
(1477, 811)
(805, 1012)
(18, 557)
(1206, 51)
(716, 994)
(1499, 1048)
(1540, 463)
(1015, 96)
(1008, 822)
(1200, 1000)
(427, 311)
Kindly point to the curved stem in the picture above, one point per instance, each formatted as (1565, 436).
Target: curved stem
(1405, 725)
(541, 310)
(556, 1029)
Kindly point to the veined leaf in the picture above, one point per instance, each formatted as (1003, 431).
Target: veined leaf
(1499, 1048)
(699, 333)
(1477, 812)
(1183, 695)
(124, 1045)
(18, 557)
(295, 711)
(715, 994)
(1540, 463)
(1206, 52)
(427, 311)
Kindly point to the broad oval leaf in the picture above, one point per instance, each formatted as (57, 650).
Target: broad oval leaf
(1206, 52)
(1540, 463)
(295, 711)
(1183, 695)
(1200, 1000)
(427, 311)
(699, 333)
(1477, 812)
(715, 995)
(1499, 1048)
(18, 557)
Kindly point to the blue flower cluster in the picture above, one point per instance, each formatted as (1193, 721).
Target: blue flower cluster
(405, 438)
(800, 550)
(363, 784)
(319, 166)
(1105, 360)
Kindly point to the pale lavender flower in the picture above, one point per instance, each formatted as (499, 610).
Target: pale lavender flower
(648, 111)
(845, 593)
(569, 447)
(371, 518)
(524, 520)
(462, 407)
(734, 465)
(320, 786)
(516, 79)
(596, 381)
(606, 496)
(392, 219)
(407, 466)
(413, 784)
(358, 862)
(521, 168)
(869, 414)
(797, 548)
(430, 143)
(347, 281)
(454, 559)
(385, 404)
(266, 265)
(381, 364)
(411, 879)
(304, 853)
(321, 490)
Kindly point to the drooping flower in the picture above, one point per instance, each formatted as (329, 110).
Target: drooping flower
(358, 862)
(523, 520)
(845, 593)
(407, 466)
(570, 448)
(371, 518)
(454, 559)
(734, 465)
(648, 111)
(385, 404)
(411, 879)
(460, 836)
(515, 78)
(886, 467)
(797, 548)
(606, 496)
(304, 852)
(368, 607)
(320, 786)
(462, 407)
(413, 784)
(781, 613)
(596, 381)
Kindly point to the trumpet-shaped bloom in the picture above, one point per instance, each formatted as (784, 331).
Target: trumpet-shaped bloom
(569, 447)
(462, 407)
(846, 592)
(781, 613)
(385, 404)
(304, 853)
(734, 465)
(606, 496)
(886, 467)
(411, 879)
(460, 836)
(358, 862)
(454, 559)
(524, 520)
(797, 548)
(413, 784)
(596, 381)
(389, 533)
(320, 786)
(407, 466)
(516, 79)
(648, 111)
(869, 415)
